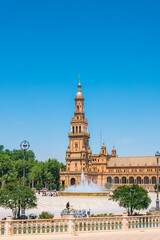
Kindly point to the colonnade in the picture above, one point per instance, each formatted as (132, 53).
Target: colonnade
(132, 179)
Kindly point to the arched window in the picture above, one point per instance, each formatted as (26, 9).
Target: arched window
(109, 180)
(76, 128)
(77, 107)
(139, 180)
(153, 180)
(80, 129)
(76, 145)
(116, 180)
(124, 181)
(73, 181)
(146, 180)
(131, 180)
(73, 130)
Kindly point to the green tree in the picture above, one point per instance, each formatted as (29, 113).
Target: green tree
(36, 172)
(51, 172)
(1, 148)
(15, 197)
(11, 168)
(62, 186)
(131, 197)
(17, 157)
(39, 186)
(7, 169)
(108, 186)
(155, 187)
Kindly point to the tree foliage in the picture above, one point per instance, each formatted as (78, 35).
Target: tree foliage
(155, 187)
(44, 173)
(108, 186)
(132, 197)
(16, 197)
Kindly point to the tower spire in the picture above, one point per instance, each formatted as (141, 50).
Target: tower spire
(79, 95)
(79, 78)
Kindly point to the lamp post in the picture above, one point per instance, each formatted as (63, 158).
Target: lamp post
(132, 191)
(157, 155)
(24, 146)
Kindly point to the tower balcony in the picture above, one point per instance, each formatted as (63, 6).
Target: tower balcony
(79, 134)
(81, 120)
(76, 158)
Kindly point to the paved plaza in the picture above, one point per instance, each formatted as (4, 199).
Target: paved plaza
(124, 235)
(56, 204)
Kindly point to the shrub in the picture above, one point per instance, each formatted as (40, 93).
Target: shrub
(23, 217)
(46, 215)
(99, 215)
(148, 213)
(62, 187)
(32, 216)
(155, 187)
(110, 215)
(108, 186)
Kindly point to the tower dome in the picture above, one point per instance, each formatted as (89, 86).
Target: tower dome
(114, 154)
(79, 94)
(103, 146)
(103, 149)
(113, 149)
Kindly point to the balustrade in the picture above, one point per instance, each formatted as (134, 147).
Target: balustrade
(98, 224)
(35, 226)
(2, 227)
(143, 222)
(89, 224)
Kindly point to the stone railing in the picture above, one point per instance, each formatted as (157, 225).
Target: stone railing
(137, 222)
(34, 226)
(2, 227)
(92, 224)
(73, 225)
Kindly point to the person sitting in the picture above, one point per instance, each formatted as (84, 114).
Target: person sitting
(68, 205)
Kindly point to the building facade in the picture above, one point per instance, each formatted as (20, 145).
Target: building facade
(101, 168)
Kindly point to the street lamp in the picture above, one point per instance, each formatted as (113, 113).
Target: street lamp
(24, 146)
(132, 191)
(157, 155)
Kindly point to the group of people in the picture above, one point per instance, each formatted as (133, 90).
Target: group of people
(68, 206)
(50, 194)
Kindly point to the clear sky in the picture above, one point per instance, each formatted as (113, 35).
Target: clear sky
(114, 45)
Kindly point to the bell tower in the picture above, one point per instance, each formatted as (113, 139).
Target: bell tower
(78, 149)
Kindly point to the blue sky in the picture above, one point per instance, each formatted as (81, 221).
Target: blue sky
(114, 45)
